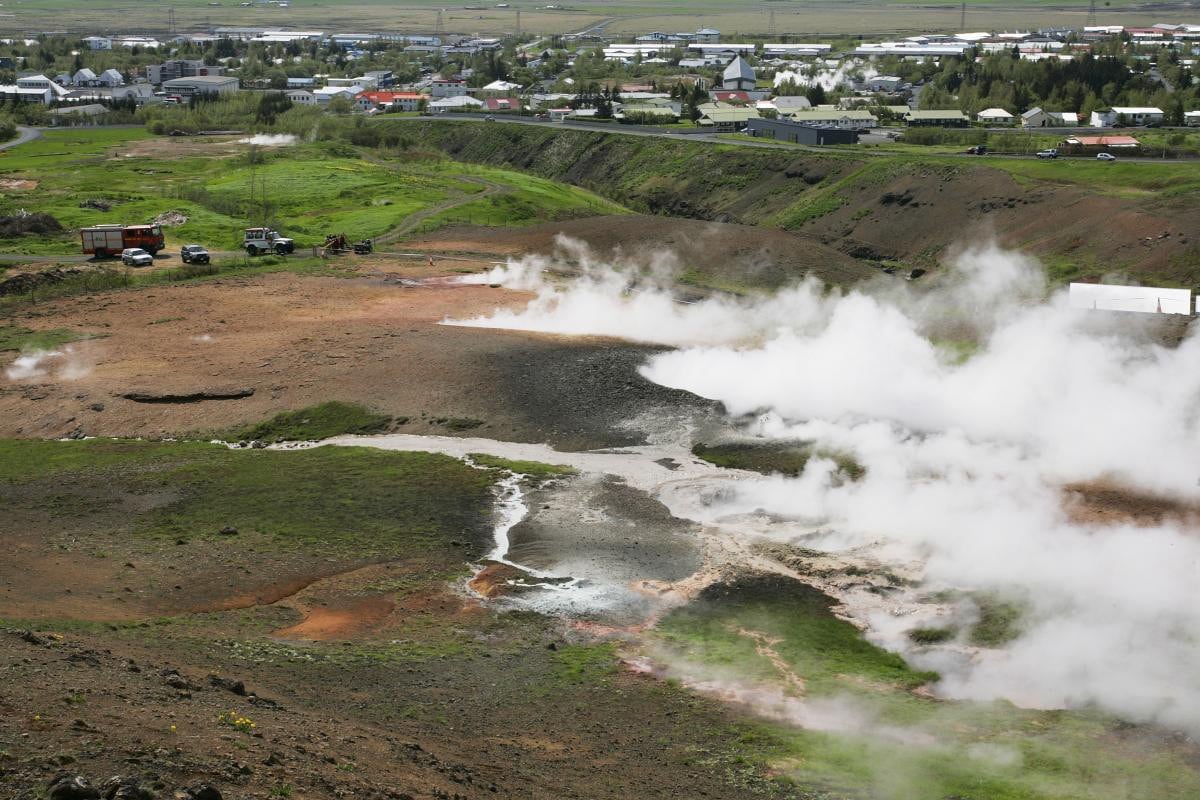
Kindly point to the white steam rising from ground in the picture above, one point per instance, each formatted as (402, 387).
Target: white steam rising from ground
(68, 363)
(965, 460)
(270, 139)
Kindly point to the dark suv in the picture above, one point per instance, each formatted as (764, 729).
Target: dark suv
(193, 254)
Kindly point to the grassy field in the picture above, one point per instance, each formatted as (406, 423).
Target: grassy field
(897, 744)
(306, 191)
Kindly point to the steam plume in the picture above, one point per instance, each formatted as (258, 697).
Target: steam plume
(965, 460)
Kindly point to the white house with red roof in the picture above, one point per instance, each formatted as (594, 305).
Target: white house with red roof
(389, 101)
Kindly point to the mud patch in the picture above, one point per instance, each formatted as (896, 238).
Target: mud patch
(342, 621)
(16, 185)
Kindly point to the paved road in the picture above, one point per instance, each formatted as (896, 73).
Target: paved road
(23, 135)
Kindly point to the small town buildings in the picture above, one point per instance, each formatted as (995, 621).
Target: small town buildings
(936, 118)
(362, 82)
(1126, 115)
(83, 77)
(141, 93)
(883, 84)
(795, 50)
(301, 97)
(724, 49)
(738, 75)
(464, 102)
(98, 42)
(500, 88)
(1037, 118)
(782, 130)
(325, 94)
(994, 116)
(502, 105)
(448, 87)
(301, 83)
(725, 118)
(201, 85)
(34, 89)
(1191, 118)
(180, 68)
(1090, 145)
(390, 101)
(110, 78)
(833, 117)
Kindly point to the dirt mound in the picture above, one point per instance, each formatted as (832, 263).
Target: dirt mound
(25, 282)
(171, 218)
(21, 224)
(713, 253)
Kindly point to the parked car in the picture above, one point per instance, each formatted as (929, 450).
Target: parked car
(490, 118)
(1051, 153)
(193, 254)
(977, 150)
(1105, 157)
(136, 257)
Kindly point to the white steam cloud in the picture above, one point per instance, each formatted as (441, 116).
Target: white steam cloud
(829, 78)
(965, 460)
(69, 363)
(270, 139)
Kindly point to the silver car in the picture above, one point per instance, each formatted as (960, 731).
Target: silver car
(136, 257)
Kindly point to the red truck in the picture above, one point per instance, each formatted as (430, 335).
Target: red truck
(110, 240)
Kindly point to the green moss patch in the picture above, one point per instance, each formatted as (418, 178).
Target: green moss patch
(317, 422)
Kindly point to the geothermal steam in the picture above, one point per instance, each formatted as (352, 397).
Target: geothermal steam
(965, 459)
(270, 139)
(68, 363)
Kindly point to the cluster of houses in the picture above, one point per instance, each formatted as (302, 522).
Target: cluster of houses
(737, 99)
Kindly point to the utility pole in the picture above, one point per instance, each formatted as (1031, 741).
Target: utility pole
(437, 27)
(518, 22)
(1091, 20)
(962, 19)
(771, 24)
(171, 21)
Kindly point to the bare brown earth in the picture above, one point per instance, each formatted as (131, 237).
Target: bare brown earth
(296, 341)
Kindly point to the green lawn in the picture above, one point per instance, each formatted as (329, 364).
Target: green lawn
(306, 191)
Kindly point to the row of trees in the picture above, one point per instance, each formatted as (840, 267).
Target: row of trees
(1083, 84)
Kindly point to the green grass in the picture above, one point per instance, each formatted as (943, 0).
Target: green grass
(584, 663)
(771, 458)
(534, 469)
(818, 646)
(333, 418)
(310, 189)
(350, 501)
(16, 338)
(902, 745)
(1000, 621)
